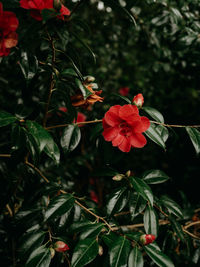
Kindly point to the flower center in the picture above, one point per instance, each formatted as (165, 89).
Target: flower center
(125, 129)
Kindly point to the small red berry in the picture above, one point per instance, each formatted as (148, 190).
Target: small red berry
(60, 246)
(147, 239)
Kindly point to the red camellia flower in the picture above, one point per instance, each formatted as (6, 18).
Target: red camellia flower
(124, 127)
(138, 100)
(147, 239)
(61, 246)
(124, 91)
(8, 25)
(36, 6)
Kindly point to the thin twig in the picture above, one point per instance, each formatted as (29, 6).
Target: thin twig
(5, 155)
(37, 170)
(77, 123)
(9, 210)
(190, 234)
(175, 125)
(191, 224)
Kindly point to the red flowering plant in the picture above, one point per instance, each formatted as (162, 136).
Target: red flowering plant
(8, 26)
(94, 195)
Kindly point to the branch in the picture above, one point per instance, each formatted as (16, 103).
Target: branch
(37, 170)
(5, 155)
(175, 125)
(77, 123)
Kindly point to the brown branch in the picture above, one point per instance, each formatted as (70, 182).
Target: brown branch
(9, 210)
(77, 123)
(5, 155)
(191, 224)
(175, 125)
(37, 170)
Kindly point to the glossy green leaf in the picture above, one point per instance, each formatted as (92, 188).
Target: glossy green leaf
(59, 205)
(28, 64)
(135, 258)
(155, 177)
(163, 131)
(126, 99)
(136, 204)
(171, 206)
(194, 135)
(70, 138)
(151, 221)
(142, 188)
(158, 257)
(110, 238)
(43, 140)
(92, 231)
(41, 257)
(6, 118)
(154, 135)
(80, 226)
(117, 201)
(154, 113)
(177, 228)
(84, 252)
(119, 252)
(69, 72)
(31, 241)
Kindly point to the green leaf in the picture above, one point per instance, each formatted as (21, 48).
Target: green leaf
(69, 72)
(92, 231)
(136, 204)
(84, 252)
(154, 135)
(117, 201)
(59, 205)
(135, 258)
(177, 228)
(119, 252)
(70, 138)
(142, 188)
(194, 135)
(163, 132)
(105, 172)
(29, 65)
(154, 113)
(110, 238)
(171, 206)
(6, 118)
(31, 241)
(150, 221)
(155, 177)
(123, 97)
(43, 140)
(85, 92)
(41, 257)
(158, 257)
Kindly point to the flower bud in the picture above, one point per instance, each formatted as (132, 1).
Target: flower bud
(60, 246)
(52, 251)
(138, 100)
(57, 4)
(147, 239)
(100, 250)
(128, 173)
(118, 177)
(89, 79)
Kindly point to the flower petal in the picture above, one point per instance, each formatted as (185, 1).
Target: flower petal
(110, 133)
(125, 145)
(112, 116)
(138, 140)
(117, 140)
(142, 125)
(127, 111)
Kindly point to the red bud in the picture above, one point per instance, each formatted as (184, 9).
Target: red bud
(147, 239)
(138, 100)
(61, 246)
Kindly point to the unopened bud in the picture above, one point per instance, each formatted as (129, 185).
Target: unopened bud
(60, 246)
(57, 4)
(118, 177)
(100, 250)
(128, 173)
(52, 251)
(138, 100)
(147, 239)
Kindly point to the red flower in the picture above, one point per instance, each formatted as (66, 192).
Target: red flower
(8, 26)
(94, 196)
(36, 7)
(60, 246)
(147, 239)
(80, 116)
(124, 127)
(124, 91)
(138, 100)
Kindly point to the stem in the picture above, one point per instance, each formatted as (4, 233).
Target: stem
(76, 7)
(5, 156)
(93, 214)
(77, 123)
(52, 79)
(37, 170)
(175, 125)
